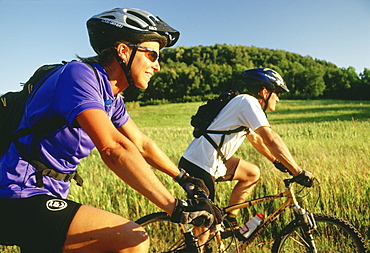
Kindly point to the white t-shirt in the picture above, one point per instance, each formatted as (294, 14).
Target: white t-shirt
(243, 110)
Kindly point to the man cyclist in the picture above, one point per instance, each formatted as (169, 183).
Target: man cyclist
(35, 214)
(201, 159)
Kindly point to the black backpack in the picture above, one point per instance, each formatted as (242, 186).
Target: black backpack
(13, 103)
(11, 112)
(207, 113)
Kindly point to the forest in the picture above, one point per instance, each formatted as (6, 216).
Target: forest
(202, 72)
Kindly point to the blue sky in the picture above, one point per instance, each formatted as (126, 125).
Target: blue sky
(37, 32)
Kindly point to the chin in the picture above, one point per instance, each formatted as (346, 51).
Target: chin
(143, 86)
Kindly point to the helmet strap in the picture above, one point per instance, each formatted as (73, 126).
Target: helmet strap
(126, 68)
(267, 101)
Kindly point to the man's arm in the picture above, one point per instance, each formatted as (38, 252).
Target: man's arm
(278, 149)
(258, 144)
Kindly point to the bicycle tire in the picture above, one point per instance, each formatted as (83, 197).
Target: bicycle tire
(333, 234)
(165, 236)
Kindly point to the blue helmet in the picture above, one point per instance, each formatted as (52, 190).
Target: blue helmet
(265, 77)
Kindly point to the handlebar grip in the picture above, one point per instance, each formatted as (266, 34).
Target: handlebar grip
(199, 221)
(195, 191)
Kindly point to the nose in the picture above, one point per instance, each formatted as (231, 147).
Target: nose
(156, 66)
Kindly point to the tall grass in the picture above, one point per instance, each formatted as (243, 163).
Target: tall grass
(329, 138)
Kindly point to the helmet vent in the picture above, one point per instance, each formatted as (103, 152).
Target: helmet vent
(154, 20)
(109, 16)
(133, 23)
(141, 17)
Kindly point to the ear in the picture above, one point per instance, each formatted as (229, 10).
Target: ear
(263, 93)
(122, 51)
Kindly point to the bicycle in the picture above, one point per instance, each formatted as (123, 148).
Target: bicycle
(307, 232)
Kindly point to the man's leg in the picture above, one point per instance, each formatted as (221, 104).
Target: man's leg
(247, 175)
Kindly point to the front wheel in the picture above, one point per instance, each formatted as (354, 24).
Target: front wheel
(333, 234)
(165, 236)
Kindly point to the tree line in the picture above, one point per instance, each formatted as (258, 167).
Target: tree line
(202, 72)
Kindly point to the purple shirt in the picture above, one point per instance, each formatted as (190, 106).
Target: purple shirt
(71, 90)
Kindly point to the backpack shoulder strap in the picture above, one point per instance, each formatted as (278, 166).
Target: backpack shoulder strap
(226, 132)
(216, 147)
(236, 130)
(44, 126)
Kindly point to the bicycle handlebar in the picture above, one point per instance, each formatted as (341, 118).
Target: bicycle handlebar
(195, 191)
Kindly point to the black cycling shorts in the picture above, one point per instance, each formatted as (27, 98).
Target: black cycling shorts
(208, 179)
(37, 224)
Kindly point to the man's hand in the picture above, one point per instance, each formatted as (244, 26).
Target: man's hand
(305, 178)
(195, 210)
(185, 180)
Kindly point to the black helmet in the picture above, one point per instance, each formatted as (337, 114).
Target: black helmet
(265, 77)
(128, 25)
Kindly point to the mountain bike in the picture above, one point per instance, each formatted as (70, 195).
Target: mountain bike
(307, 232)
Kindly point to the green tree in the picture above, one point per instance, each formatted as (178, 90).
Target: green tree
(205, 71)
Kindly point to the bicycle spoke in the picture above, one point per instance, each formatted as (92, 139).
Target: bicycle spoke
(332, 234)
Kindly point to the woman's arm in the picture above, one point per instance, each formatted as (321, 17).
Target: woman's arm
(149, 149)
(122, 156)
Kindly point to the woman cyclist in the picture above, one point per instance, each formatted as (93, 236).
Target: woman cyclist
(35, 214)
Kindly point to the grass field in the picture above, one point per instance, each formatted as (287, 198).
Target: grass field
(329, 138)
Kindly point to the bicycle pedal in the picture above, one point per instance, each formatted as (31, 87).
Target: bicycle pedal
(231, 227)
(231, 232)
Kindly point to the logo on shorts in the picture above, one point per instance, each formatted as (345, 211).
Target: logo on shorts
(56, 204)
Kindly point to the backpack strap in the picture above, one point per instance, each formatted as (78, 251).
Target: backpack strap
(39, 127)
(236, 130)
(218, 148)
(43, 170)
(224, 133)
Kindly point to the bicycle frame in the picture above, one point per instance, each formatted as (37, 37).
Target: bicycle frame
(291, 201)
(330, 232)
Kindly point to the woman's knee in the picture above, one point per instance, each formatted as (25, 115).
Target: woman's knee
(138, 240)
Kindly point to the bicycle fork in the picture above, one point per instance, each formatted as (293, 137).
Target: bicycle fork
(191, 241)
(309, 224)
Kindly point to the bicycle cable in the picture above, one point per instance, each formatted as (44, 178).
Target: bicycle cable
(315, 185)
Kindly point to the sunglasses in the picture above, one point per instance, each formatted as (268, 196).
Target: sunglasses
(151, 54)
